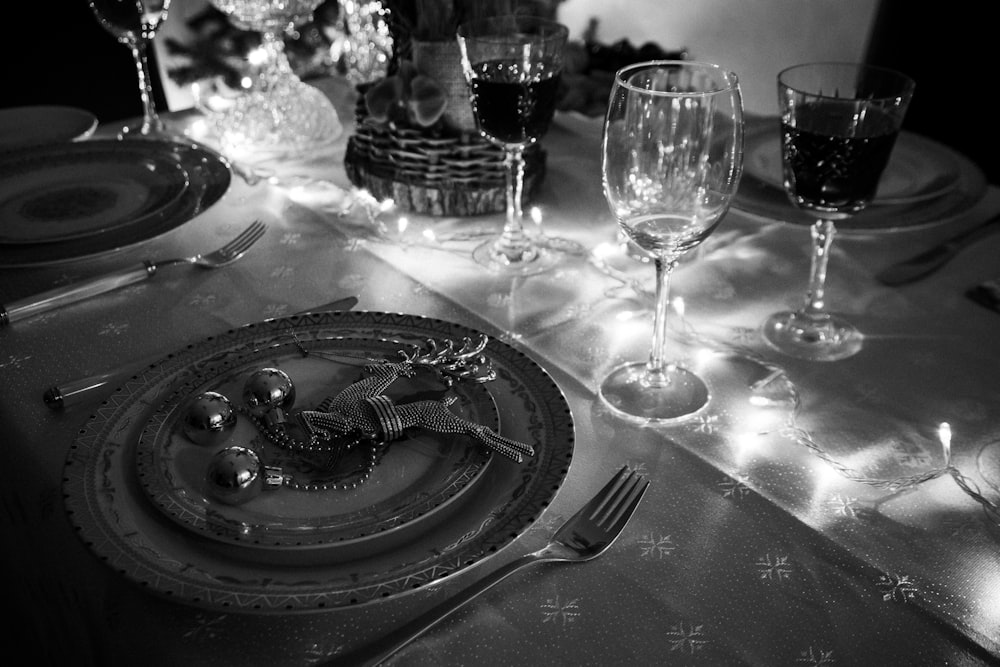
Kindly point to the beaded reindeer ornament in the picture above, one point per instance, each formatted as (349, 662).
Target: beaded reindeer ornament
(359, 415)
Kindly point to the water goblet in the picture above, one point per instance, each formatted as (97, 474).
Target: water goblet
(513, 65)
(279, 113)
(134, 23)
(839, 123)
(672, 157)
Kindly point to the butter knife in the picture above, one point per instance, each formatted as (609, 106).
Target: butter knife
(60, 396)
(929, 261)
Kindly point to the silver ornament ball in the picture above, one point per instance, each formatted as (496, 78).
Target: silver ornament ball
(210, 419)
(235, 475)
(268, 389)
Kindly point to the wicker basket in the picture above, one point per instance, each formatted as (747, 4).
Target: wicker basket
(433, 171)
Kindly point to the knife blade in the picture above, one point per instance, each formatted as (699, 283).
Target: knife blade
(931, 260)
(63, 395)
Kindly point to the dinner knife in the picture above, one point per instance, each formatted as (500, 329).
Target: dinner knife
(929, 261)
(60, 396)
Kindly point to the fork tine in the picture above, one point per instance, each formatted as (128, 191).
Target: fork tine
(626, 509)
(253, 232)
(601, 499)
(615, 500)
(245, 240)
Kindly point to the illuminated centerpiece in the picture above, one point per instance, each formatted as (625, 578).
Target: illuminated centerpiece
(278, 113)
(416, 140)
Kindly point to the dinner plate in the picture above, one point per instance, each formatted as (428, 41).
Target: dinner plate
(44, 124)
(924, 184)
(418, 479)
(122, 524)
(208, 178)
(61, 193)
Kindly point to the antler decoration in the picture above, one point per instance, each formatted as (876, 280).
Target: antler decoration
(363, 408)
(454, 363)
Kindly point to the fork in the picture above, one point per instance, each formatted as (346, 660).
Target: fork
(60, 296)
(585, 536)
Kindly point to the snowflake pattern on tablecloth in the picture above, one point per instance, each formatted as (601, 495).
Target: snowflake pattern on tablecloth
(318, 654)
(910, 455)
(14, 361)
(815, 657)
(736, 489)
(687, 638)
(113, 329)
(967, 528)
(559, 612)
(655, 546)
(707, 423)
(774, 567)
(275, 310)
(498, 300)
(282, 272)
(202, 300)
(842, 505)
(205, 626)
(351, 282)
(290, 238)
(638, 467)
(548, 523)
(897, 588)
(868, 393)
(355, 244)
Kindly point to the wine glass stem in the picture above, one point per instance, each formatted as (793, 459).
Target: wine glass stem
(656, 367)
(513, 242)
(822, 233)
(276, 69)
(151, 122)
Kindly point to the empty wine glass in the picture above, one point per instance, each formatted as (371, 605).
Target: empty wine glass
(672, 157)
(134, 23)
(279, 113)
(513, 66)
(839, 123)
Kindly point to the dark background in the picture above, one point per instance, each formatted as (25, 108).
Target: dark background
(56, 53)
(950, 50)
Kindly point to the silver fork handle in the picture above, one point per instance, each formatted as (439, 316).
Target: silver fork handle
(73, 293)
(385, 647)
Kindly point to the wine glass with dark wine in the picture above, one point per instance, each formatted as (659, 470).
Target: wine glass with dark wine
(839, 123)
(672, 157)
(513, 66)
(134, 23)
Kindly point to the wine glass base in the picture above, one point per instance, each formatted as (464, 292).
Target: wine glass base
(531, 261)
(290, 118)
(814, 338)
(627, 393)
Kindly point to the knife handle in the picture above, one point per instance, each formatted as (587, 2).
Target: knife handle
(63, 395)
(61, 296)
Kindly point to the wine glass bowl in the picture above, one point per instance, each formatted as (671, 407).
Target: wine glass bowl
(134, 23)
(277, 113)
(839, 123)
(513, 66)
(672, 157)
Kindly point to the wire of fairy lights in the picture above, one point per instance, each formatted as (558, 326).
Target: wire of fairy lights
(801, 436)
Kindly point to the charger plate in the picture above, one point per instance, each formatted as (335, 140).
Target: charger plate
(925, 184)
(66, 202)
(121, 522)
